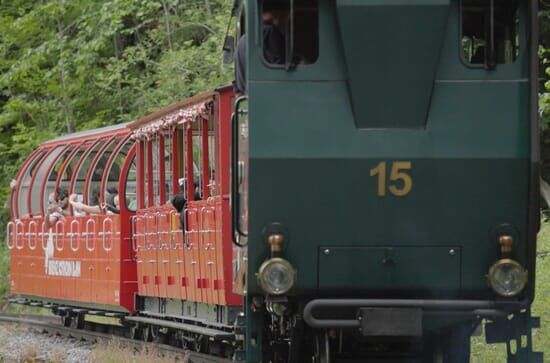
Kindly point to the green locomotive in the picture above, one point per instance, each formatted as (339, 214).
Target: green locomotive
(385, 173)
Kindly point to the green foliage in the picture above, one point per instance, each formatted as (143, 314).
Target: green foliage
(68, 65)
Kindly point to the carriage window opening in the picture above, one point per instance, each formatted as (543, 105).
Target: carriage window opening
(25, 184)
(477, 32)
(113, 175)
(40, 177)
(131, 183)
(182, 162)
(156, 171)
(65, 181)
(49, 191)
(279, 20)
(145, 168)
(99, 169)
(197, 159)
(80, 180)
(168, 173)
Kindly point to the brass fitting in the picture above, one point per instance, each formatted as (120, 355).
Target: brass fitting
(276, 243)
(505, 243)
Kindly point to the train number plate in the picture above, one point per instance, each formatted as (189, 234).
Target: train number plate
(391, 322)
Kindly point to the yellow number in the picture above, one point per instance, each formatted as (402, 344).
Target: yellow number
(380, 170)
(398, 173)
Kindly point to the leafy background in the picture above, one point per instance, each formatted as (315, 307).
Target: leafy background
(68, 65)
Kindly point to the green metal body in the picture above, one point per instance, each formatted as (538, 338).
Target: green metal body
(390, 85)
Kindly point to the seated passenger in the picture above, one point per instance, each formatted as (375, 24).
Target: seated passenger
(111, 204)
(58, 207)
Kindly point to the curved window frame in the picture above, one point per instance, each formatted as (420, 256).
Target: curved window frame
(31, 162)
(126, 167)
(42, 184)
(109, 164)
(83, 157)
(66, 149)
(93, 165)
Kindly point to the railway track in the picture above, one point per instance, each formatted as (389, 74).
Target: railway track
(98, 332)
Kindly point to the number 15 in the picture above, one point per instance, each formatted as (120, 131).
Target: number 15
(398, 172)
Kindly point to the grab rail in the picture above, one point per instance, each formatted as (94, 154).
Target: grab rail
(110, 233)
(173, 232)
(32, 247)
(90, 249)
(19, 234)
(43, 239)
(72, 234)
(57, 224)
(9, 240)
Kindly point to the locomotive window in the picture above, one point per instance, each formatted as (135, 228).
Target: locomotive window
(290, 34)
(490, 32)
(25, 184)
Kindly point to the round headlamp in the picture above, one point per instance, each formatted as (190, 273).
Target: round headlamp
(507, 277)
(276, 276)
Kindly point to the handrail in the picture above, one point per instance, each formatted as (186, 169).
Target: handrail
(19, 234)
(88, 235)
(43, 239)
(32, 247)
(57, 224)
(9, 241)
(189, 232)
(135, 235)
(159, 232)
(173, 232)
(72, 234)
(108, 219)
(205, 211)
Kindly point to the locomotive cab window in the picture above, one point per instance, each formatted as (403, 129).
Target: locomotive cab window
(490, 32)
(290, 32)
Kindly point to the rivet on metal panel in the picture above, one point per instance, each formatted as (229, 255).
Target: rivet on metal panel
(452, 252)
(326, 251)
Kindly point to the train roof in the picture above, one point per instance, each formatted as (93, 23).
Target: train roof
(166, 111)
(90, 133)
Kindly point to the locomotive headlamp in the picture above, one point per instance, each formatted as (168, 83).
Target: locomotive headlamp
(507, 277)
(276, 276)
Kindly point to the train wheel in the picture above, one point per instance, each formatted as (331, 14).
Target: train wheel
(133, 332)
(146, 333)
(154, 333)
(322, 349)
(67, 320)
(77, 322)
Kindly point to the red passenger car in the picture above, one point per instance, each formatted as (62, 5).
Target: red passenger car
(145, 262)
(82, 260)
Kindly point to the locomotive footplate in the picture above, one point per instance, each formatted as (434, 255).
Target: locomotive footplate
(390, 322)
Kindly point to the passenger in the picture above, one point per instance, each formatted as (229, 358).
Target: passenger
(178, 201)
(110, 206)
(58, 207)
(81, 209)
(275, 22)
